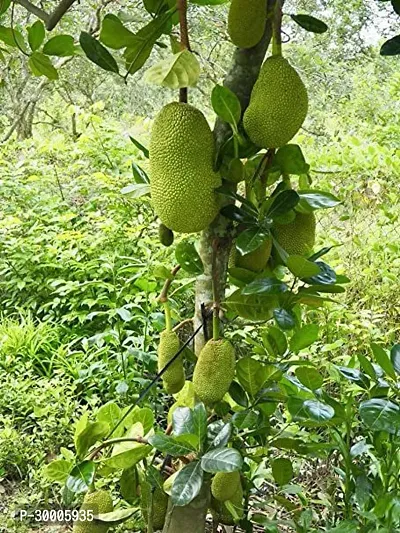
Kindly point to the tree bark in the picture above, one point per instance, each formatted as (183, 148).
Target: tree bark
(190, 518)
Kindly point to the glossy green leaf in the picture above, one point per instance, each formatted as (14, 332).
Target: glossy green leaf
(318, 411)
(175, 72)
(274, 341)
(284, 318)
(300, 267)
(93, 432)
(36, 34)
(265, 286)
(81, 477)
(282, 203)
(174, 446)
(282, 470)
(222, 460)
(223, 436)
(187, 256)
(383, 360)
(309, 377)
(226, 105)
(395, 357)
(290, 160)
(251, 374)
(319, 199)
(187, 484)
(391, 47)
(304, 337)
(114, 34)
(41, 65)
(97, 53)
(309, 23)
(380, 414)
(60, 45)
(251, 239)
(58, 471)
(255, 307)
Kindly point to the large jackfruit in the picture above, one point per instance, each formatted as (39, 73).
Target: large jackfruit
(174, 377)
(257, 260)
(297, 237)
(98, 502)
(159, 504)
(222, 513)
(214, 371)
(224, 485)
(181, 162)
(246, 22)
(278, 104)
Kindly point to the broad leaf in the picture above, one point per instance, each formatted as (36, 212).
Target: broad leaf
(175, 446)
(300, 267)
(304, 337)
(222, 460)
(180, 70)
(309, 377)
(93, 432)
(282, 470)
(81, 477)
(187, 484)
(36, 34)
(187, 256)
(319, 199)
(97, 53)
(114, 34)
(41, 65)
(318, 411)
(60, 45)
(309, 23)
(265, 286)
(381, 415)
(251, 374)
(290, 160)
(383, 360)
(226, 105)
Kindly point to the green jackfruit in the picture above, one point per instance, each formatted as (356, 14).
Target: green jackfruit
(224, 485)
(183, 181)
(165, 235)
(214, 371)
(297, 237)
(222, 513)
(160, 504)
(278, 104)
(98, 502)
(174, 377)
(257, 260)
(246, 22)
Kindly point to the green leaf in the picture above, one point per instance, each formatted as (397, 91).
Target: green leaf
(310, 23)
(182, 421)
(256, 307)
(396, 6)
(116, 517)
(174, 446)
(391, 47)
(223, 436)
(366, 365)
(326, 276)
(354, 375)
(4, 5)
(208, 2)
(251, 374)
(137, 190)
(282, 470)
(41, 65)
(304, 337)
(81, 477)
(92, 433)
(142, 148)
(318, 411)
(265, 286)
(300, 267)
(12, 37)
(175, 72)
(128, 484)
(382, 358)
(237, 394)
(187, 484)
(309, 377)
(381, 415)
(114, 34)
(36, 34)
(60, 45)
(57, 471)
(199, 421)
(226, 105)
(251, 239)
(282, 203)
(110, 414)
(290, 160)
(144, 415)
(97, 53)
(285, 318)
(245, 419)
(188, 258)
(222, 460)
(395, 357)
(319, 199)
(275, 341)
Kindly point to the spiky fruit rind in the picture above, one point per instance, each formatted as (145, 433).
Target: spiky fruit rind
(297, 237)
(99, 502)
(160, 504)
(174, 377)
(222, 513)
(224, 485)
(278, 104)
(214, 371)
(257, 260)
(183, 180)
(246, 22)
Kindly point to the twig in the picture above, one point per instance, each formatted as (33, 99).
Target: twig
(40, 13)
(58, 13)
(163, 298)
(183, 323)
(185, 45)
(110, 442)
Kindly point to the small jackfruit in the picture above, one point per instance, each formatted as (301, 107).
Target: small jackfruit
(257, 260)
(224, 485)
(246, 22)
(297, 237)
(278, 104)
(174, 377)
(183, 180)
(221, 511)
(159, 507)
(165, 235)
(214, 371)
(99, 502)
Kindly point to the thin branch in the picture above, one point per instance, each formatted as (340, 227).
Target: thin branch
(163, 298)
(185, 45)
(58, 13)
(34, 9)
(110, 442)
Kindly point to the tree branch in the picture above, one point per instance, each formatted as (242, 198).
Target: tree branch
(40, 13)
(58, 13)
(185, 45)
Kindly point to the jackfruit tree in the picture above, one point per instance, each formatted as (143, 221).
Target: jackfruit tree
(238, 205)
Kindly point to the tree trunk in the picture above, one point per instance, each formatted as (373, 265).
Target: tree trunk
(217, 238)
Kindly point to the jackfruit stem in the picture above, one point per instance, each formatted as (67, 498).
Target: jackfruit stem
(215, 323)
(168, 319)
(150, 528)
(235, 147)
(277, 29)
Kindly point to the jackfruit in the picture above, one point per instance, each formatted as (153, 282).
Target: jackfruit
(246, 22)
(278, 104)
(224, 485)
(257, 260)
(159, 507)
(297, 237)
(174, 377)
(165, 235)
(222, 513)
(183, 180)
(98, 502)
(214, 371)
